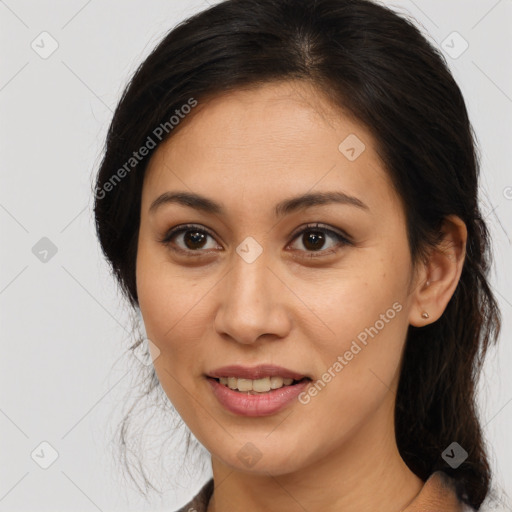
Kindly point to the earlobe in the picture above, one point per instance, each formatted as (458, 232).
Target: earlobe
(440, 274)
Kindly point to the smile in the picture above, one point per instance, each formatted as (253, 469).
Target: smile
(256, 386)
(257, 391)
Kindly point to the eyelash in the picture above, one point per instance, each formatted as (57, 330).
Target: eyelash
(342, 240)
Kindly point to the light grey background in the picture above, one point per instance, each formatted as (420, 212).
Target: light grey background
(63, 325)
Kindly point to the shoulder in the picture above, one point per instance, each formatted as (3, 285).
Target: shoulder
(200, 501)
(439, 491)
(442, 486)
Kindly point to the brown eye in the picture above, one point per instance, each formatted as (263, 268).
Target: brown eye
(188, 239)
(315, 238)
(194, 239)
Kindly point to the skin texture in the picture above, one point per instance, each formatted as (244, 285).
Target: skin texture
(249, 150)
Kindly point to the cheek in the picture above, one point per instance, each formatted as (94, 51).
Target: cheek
(360, 353)
(360, 304)
(166, 298)
(360, 362)
(172, 310)
(170, 303)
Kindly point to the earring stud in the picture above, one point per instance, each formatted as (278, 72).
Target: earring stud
(424, 315)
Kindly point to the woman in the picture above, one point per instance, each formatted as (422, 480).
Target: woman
(289, 197)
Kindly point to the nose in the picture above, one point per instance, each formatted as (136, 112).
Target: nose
(253, 302)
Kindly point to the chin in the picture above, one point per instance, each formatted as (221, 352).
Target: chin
(260, 455)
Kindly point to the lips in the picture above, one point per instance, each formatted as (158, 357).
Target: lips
(256, 372)
(285, 386)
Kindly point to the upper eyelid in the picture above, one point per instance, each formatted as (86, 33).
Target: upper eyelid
(308, 227)
(320, 227)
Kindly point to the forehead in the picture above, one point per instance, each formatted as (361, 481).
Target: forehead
(273, 140)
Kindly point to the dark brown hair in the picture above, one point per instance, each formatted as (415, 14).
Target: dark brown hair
(376, 65)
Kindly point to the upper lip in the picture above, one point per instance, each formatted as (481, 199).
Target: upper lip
(255, 372)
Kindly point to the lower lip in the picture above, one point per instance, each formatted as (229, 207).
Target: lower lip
(263, 404)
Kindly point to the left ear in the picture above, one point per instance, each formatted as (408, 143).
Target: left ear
(439, 276)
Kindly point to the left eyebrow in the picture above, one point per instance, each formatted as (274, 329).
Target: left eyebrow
(285, 207)
(315, 199)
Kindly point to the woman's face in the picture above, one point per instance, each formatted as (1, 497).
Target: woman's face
(272, 283)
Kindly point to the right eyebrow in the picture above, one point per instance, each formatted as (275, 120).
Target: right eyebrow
(187, 199)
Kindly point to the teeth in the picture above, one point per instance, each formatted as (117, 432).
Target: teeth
(276, 382)
(259, 385)
(244, 385)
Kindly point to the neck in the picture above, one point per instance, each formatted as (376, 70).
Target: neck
(364, 473)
